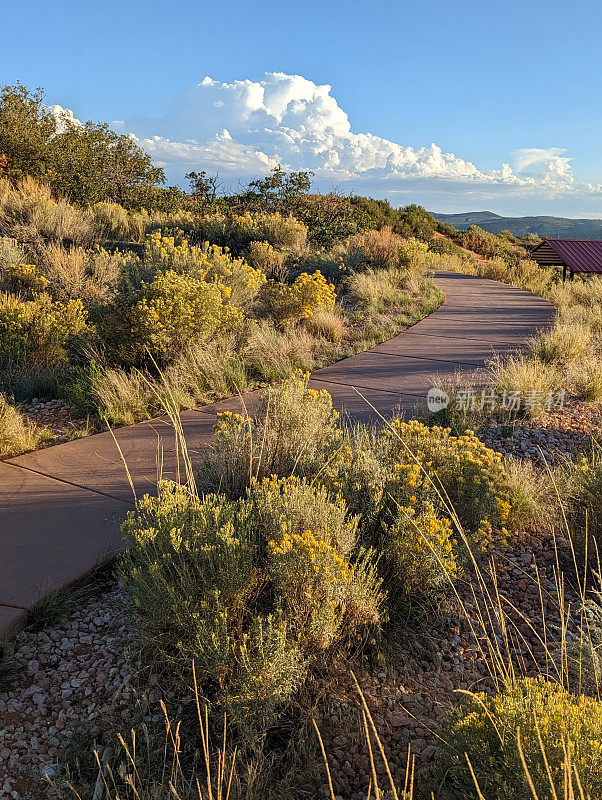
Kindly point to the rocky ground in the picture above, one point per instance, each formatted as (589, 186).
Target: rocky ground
(553, 437)
(59, 418)
(74, 676)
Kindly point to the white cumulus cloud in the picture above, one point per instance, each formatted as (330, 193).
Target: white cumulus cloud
(244, 128)
(244, 125)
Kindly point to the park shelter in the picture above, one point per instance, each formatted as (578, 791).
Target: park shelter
(574, 256)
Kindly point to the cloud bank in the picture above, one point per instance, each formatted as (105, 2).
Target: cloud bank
(244, 128)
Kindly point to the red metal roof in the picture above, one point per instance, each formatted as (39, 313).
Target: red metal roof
(580, 255)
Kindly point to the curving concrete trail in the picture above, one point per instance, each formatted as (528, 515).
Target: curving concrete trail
(60, 508)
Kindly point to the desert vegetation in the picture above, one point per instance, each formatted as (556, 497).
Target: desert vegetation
(295, 558)
(116, 290)
(321, 610)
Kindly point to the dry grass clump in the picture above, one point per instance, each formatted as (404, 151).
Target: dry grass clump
(566, 342)
(201, 374)
(383, 250)
(11, 253)
(271, 354)
(123, 397)
(533, 380)
(30, 214)
(17, 434)
(379, 291)
(91, 275)
(326, 323)
(587, 379)
(580, 300)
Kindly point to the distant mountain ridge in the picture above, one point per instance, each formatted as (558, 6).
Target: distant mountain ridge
(555, 227)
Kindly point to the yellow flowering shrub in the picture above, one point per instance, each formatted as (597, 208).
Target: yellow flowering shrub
(175, 308)
(191, 576)
(408, 483)
(484, 729)
(586, 494)
(419, 548)
(208, 262)
(207, 583)
(270, 261)
(38, 333)
(288, 303)
(314, 292)
(310, 542)
(459, 471)
(397, 514)
(23, 279)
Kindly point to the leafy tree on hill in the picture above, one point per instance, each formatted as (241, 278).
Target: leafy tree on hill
(92, 163)
(411, 221)
(26, 129)
(279, 188)
(86, 163)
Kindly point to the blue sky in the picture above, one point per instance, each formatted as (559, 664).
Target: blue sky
(488, 83)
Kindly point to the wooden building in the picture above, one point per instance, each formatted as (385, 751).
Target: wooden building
(574, 256)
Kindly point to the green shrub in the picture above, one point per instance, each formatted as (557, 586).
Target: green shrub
(423, 495)
(245, 591)
(490, 244)
(404, 482)
(294, 432)
(485, 731)
(190, 575)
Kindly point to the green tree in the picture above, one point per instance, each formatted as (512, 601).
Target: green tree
(91, 163)
(26, 128)
(87, 163)
(279, 188)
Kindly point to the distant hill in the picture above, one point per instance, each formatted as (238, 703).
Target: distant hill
(557, 227)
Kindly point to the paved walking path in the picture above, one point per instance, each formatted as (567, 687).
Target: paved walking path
(60, 508)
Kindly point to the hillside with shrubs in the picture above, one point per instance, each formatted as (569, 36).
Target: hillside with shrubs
(322, 610)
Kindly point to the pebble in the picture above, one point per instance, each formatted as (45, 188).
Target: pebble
(58, 417)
